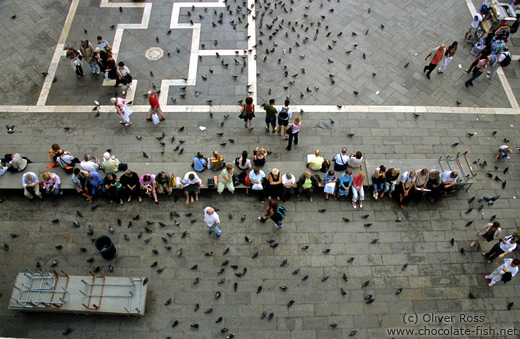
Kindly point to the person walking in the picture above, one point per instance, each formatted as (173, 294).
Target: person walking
(284, 114)
(488, 232)
(87, 51)
(293, 130)
(481, 67)
(248, 112)
(470, 34)
(501, 249)
(436, 56)
(508, 269)
(154, 107)
(270, 115)
(212, 220)
(504, 59)
(448, 56)
(73, 56)
(122, 110)
(275, 213)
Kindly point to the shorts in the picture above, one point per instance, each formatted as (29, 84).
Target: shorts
(249, 117)
(283, 122)
(472, 29)
(158, 111)
(271, 121)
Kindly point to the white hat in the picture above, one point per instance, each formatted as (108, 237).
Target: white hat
(275, 171)
(113, 100)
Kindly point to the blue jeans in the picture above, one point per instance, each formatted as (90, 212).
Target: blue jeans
(502, 154)
(96, 191)
(378, 187)
(55, 192)
(94, 66)
(476, 74)
(215, 229)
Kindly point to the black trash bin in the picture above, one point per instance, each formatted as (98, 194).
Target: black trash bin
(106, 247)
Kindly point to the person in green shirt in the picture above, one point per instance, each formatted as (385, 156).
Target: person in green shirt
(226, 180)
(110, 164)
(270, 115)
(306, 184)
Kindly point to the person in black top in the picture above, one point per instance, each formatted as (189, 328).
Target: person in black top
(132, 187)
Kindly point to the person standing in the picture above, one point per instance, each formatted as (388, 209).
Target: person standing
(122, 110)
(436, 55)
(488, 232)
(481, 67)
(104, 47)
(226, 180)
(357, 189)
(284, 114)
(504, 59)
(293, 130)
(249, 109)
(507, 266)
(448, 56)
(73, 56)
(212, 220)
(501, 249)
(110, 68)
(275, 213)
(470, 34)
(270, 116)
(154, 106)
(87, 51)
(31, 185)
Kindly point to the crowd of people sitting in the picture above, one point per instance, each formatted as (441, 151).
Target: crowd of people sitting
(344, 177)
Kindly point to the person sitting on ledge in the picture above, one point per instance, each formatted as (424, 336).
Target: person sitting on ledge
(316, 163)
(355, 160)
(198, 163)
(448, 181)
(306, 184)
(216, 162)
(259, 157)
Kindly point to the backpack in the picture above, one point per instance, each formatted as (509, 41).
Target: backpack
(242, 178)
(284, 113)
(507, 60)
(281, 212)
(325, 166)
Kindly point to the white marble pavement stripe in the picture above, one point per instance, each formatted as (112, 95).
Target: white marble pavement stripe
(58, 53)
(251, 62)
(307, 109)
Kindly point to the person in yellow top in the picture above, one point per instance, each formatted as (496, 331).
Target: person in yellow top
(316, 163)
(216, 162)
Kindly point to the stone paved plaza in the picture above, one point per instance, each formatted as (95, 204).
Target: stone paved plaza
(437, 279)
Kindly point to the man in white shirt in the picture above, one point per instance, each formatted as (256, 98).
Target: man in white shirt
(288, 182)
(31, 186)
(88, 164)
(191, 184)
(212, 220)
(448, 180)
(477, 19)
(508, 265)
(341, 160)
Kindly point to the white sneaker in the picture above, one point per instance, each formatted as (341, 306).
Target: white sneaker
(278, 226)
(123, 92)
(97, 72)
(252, 126)
(354, 204)
(94, 72)
(128, 124)
(121, 122)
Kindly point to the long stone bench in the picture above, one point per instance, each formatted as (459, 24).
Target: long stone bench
(413, 164)
(14, 180)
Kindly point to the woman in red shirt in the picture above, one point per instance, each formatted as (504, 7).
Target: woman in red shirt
(250, 112)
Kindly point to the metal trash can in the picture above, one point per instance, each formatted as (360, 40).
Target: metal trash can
(106, 247)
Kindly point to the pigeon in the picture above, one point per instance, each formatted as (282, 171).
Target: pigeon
(194, 267)
(462, 251)
(472, 296)
(217, 295)
(351, 259)
(368, 224)
(365, 284)
(296, 271)
(353, 333)
(343, 292)
(325, 278)
(145, 155)
(194, 325)
(255, 255)
(196, 281)
(259, 289)
(469, 135)
(159, 270)
(179, 253)
(59, 247)
(346, 219)
(218, 320)
(305, 277)
(322, 210)
(326, 251)
(55, 221)
(305, 247)
(510, 305)
(365, 216)
(398, 291)
(235, 286)
(369, 301)
(226, 251)
(247, 239)
(290, 303)
(452, 241)
(270, 317)
(175, 323)
(6, 247)
(283, 263)
(221, 270)
(399, 219)
(404, 267)
(374, 241)
(68, 330)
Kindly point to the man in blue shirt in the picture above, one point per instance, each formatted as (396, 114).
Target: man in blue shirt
(96, 182)
(198, 163)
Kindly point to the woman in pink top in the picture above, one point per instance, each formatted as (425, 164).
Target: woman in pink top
(481, 67)
(51, 183)
(147, 182)
(357, 189)
(293, 131)
(122, 110)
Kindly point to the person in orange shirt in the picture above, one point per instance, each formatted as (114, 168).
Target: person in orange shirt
(436, 55)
